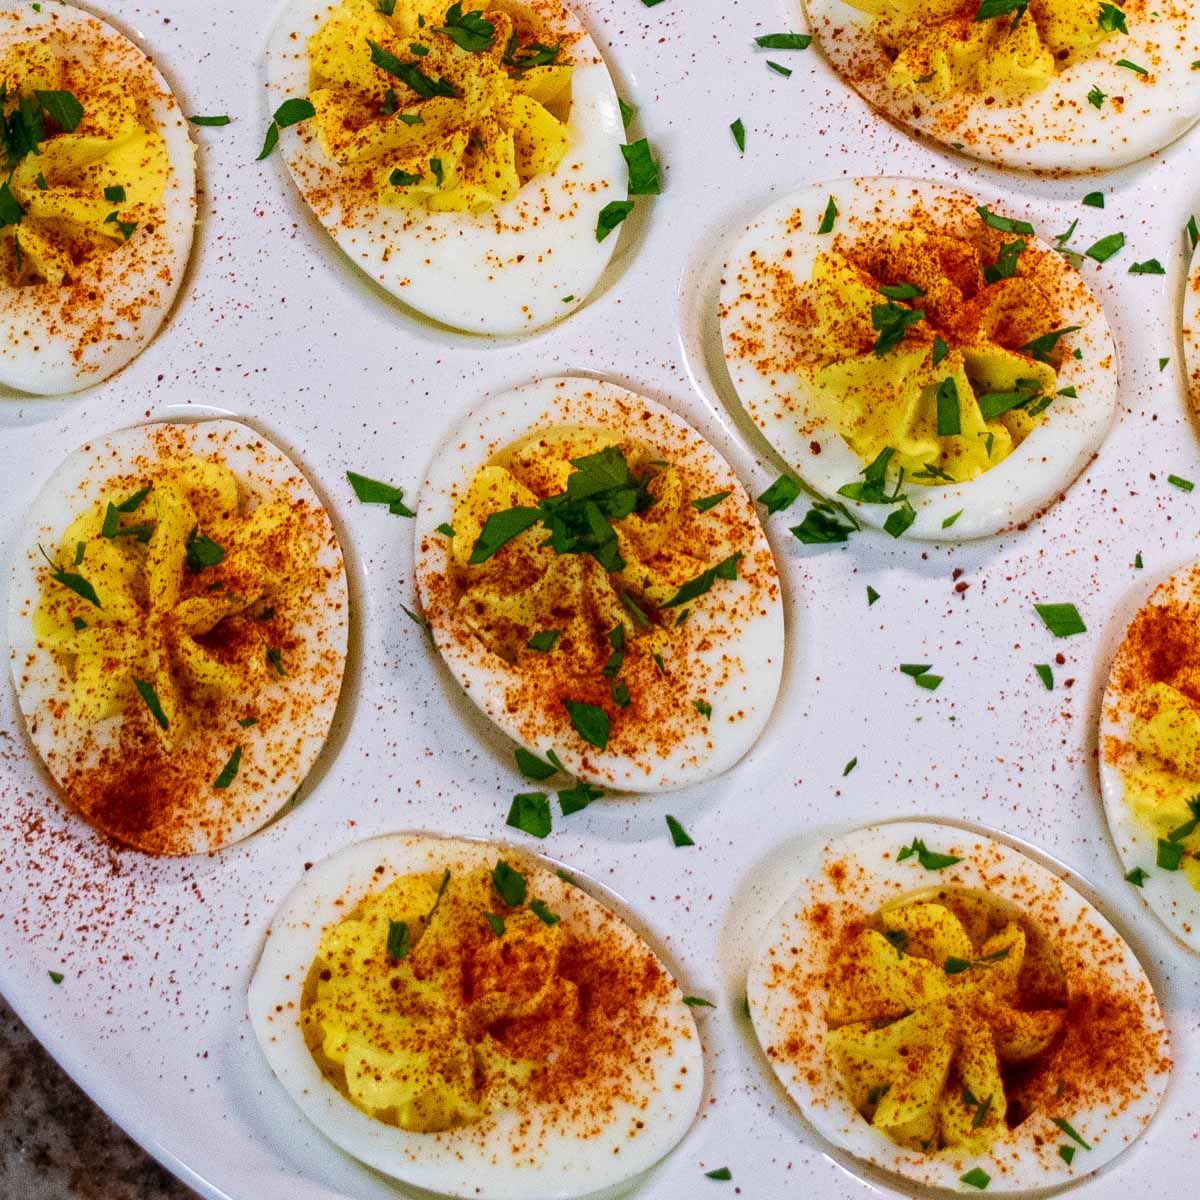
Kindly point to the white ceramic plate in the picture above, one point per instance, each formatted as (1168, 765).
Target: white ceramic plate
(273, 326)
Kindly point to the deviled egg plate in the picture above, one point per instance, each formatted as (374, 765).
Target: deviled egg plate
(917, 356)
(944, 1007)
(597, 579)
(1150, 752)
(460, 158)
(97, 203)
(462, 1018)
(1054, 85)
(177, 624)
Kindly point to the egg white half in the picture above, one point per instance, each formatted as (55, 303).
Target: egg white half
(51, 340)
(740, 707)
(1191, 328)
(1168, 893)
(297, 709)
(1057, 129)
(1028, 1159)
(521, 265)
(782, 405)
(474, 1160)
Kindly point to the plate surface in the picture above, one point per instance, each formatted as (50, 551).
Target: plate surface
(276, 327)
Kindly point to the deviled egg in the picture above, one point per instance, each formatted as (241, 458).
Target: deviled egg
(462, 1018)
(1150, 752)
(942, 1006)
(1054, 85)
(462, 159)
(178, 623)
(97, 203)
(597, 579)
(917, 356)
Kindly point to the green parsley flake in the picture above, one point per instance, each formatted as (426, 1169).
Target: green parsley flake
(611, 215)
(152, 702)
(976, 1177)
(872, 595)
(589, 721)
(919, 673)
(739, 134)
(679, 835)
(1137, 877)
(230, 769)
(829, 217)
(707, 502)
(397, 940)
(784, 41)
(372, 491)
(1094, 200)
(211, 122)
(778, 68)
(1045, 675)
(643, 170)
(1063, 620)
(1106, 247)
(849, 767)
(1184, 485)
(721, 1174)
(530, 813)
(544, 640)
(928, 859)
(782, 494)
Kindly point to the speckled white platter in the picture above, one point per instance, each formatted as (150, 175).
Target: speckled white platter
(274, 326)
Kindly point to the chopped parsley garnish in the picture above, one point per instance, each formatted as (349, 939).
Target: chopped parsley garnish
(1184, 485)
(1132, 66)
(1150, 267)
(1137, 877)
(1045, 674)
(1193, 232)
(707, 502)
(62, 108)
(829, 217)
(849, 767)
(697, 1002)
(927, 858)
(897, 938)
(534, 54)
(981, 1113)
(1112, 19)
(892, 321)
(989, 9)
(679, 835)
(509, 884)
(576, 799)
(1067, 1154)
(115, 195)
(531, 766)
(290, 112)
(1170, 855)
(1005, 266)
(616, 660)
(1106, 247)
(618, 689)
(643, 170)
(210, 121)
(540, 910)
(399, 178)
(152, 702)
(408, 74)
(949, 521)
(372, 491)
(78, 623)
(628, 112)
(230, 769)
(784, 41)
(976, 1177)
(940, 349)
(779, 68)
(782, 494)
(495, 923)
(611, 215)
(397, 940)
(589, 721)
(544, 640)
(826, 522)
(202, 552)
(1094, 200)
(1066, 1128)
(956, 966)
(530, 813)
(739, 134)
(1063, 620)
(995, 404)
(1003, 224)
(1042, 347)
(721, 1174)
(919, 674)
(901, 291)
(949, 422)
(56, 977)
(468, 31)
(435, 167)
(275, 658)
(725, 569)
(1096, 97)
(68, 579)
(703, 708)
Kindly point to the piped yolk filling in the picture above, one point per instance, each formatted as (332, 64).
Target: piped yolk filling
(420, 1005)
(166, 594)
(931, 1008)
(464, 110)
(951, 375)
(77, 193)
(940, 47)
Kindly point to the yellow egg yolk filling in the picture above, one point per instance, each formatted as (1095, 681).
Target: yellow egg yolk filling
(1160, 767)
(529, 589)
(941, 47)
(465, 109)
(945, 371)
(164, 593)
(927, 1008)
(415, 1000)
(73, 193)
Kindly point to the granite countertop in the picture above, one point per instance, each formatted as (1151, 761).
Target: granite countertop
(55, 1144)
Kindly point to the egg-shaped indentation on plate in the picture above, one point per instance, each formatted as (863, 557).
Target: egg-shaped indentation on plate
(596, 578)
(464, 1018)
(1150, 752)
(99, 203)
(462, 164)
(879, 326)
(1046, 86)
(178, 621)
(942, 1006)
(1191, 322)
